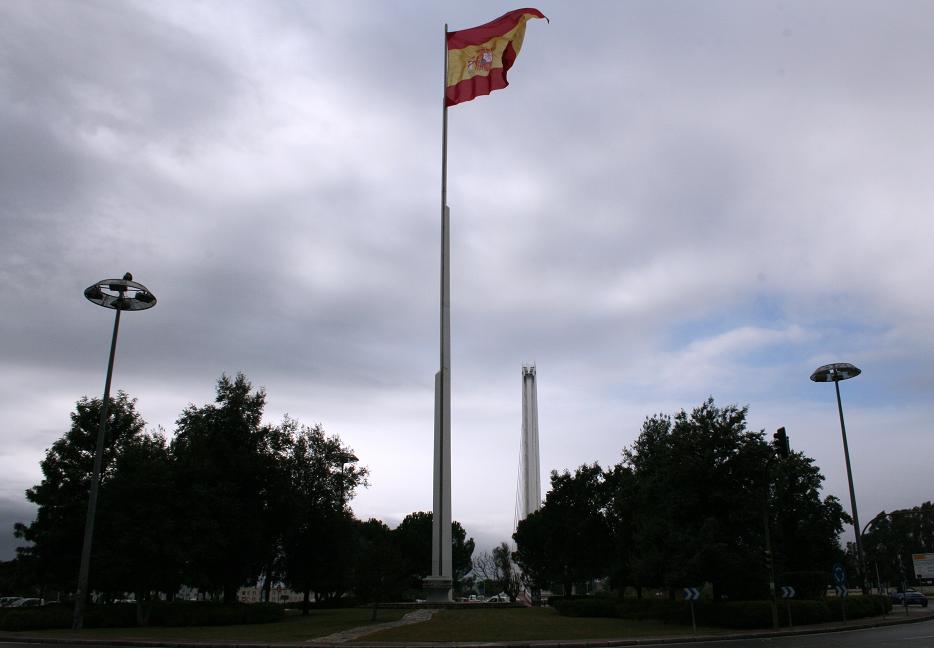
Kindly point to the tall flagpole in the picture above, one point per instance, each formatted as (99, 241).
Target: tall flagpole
(438, 585)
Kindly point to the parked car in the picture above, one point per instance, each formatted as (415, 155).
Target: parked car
(910, 597)
(8, 601)
(27, 602)
(498, 598)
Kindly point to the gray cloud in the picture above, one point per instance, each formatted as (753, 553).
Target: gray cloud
(668, 202)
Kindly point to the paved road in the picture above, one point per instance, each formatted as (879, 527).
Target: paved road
(913, 635)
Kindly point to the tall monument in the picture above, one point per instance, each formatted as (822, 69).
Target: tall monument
(531, 488)
(438, 586)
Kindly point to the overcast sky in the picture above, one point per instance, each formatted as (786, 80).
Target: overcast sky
(672, 200)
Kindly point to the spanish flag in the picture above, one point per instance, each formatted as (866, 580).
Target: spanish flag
(479, 58)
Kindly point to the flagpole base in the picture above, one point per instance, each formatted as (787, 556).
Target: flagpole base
(437, 589)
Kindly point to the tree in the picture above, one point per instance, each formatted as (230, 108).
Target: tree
(379, 571)
(414, 540)
(805, 528)
(219, 472)
(317, 540)
(700, 492)
(498, 567)
(18, 576)
(138, 549)
(621, 515)
(891, 539)
(534, 549)
(275, 450)
(62, 495)
(568, 539)
(701, 484)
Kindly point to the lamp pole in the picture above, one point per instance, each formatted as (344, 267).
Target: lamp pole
(120, 295)
(835, 373)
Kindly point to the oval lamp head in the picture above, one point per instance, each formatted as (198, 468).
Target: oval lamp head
(835, 372)
(121, 294)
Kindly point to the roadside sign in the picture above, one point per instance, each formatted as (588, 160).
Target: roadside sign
(788, 592)
(839, 574)
(924, 565)
(842, 591)
(691, 594)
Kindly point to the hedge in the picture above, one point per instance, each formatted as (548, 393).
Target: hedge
(327, 604)
(723, 614)
(37, 618)
(858, 606)
(123, 615)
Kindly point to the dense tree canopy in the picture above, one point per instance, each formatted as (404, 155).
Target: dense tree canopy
(805, 528)
(232, 500)
(688, 505)
(891, 539)
(414, 540)
(318, 539)
(137, 542)
(379, 570)
(567, 541)
(62, 495)
(219, 466)
(703, 476)
(229, 501)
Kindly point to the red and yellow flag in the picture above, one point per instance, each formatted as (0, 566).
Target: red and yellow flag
(479, 58)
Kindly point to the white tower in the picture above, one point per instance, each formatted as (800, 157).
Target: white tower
(438, 585)
(531, 488)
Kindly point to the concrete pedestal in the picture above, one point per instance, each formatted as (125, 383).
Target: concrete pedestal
(437, 589)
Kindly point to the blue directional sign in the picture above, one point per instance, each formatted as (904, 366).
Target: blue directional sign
(788, 592)
(839, 574)
(691, 593)
(842, 591)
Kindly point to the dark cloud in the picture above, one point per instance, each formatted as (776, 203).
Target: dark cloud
(668, 201)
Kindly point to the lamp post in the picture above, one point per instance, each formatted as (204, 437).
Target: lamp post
(120, 295)
(835, 373)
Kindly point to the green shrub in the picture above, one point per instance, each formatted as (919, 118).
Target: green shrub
(858, 607)
(643, 609)
(587, 607)
(115, 615)
(38, 618)
(723, 614)
(804, 612)
(328, 604)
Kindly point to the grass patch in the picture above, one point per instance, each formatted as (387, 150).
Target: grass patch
(525, 624)
(293, 628)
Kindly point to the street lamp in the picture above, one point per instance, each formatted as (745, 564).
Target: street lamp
(835, 373)
(120, 295)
